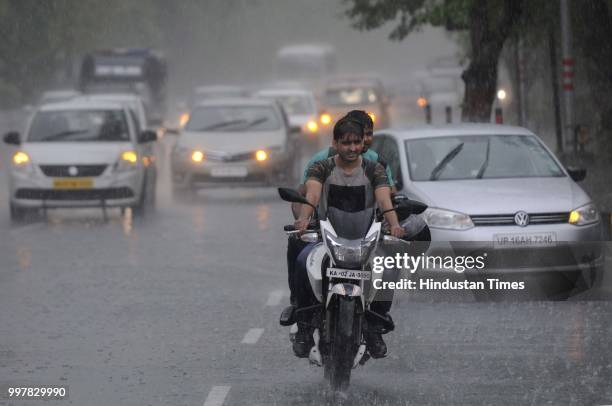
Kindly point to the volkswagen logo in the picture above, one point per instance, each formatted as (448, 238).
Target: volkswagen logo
(73, 171)
(521, 218)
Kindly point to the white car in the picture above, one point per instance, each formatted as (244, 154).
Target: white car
(232, 141)
(81, 154)
(128, 100)
(497, 189)
(299, 104)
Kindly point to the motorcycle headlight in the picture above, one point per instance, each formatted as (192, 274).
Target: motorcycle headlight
(447, 219)
(350, 253)
(128, 161)
(584, 215)
(21, 162)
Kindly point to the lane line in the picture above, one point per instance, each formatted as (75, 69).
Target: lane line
(275, 297)
(217, 395)
(252, 336)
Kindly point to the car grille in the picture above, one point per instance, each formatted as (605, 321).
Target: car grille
(508, 219)
(75, 194)
(220, 157)
(61, 171)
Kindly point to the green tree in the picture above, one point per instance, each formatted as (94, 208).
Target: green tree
(489, 24)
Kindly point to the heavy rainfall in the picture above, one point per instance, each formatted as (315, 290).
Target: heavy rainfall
(153, 151)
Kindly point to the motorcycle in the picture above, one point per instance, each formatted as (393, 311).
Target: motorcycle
(340, 273)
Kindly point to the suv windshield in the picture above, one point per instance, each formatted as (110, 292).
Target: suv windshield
(350, 96)
(79, 126)
(233, 119)
(479, 157)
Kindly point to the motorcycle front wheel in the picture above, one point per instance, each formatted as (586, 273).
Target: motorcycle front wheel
(343, 331)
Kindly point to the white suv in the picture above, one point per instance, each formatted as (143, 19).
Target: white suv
(81, 154)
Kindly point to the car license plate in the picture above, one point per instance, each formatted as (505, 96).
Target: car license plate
(70, 183)
(348, 274)
(229, 172)
(524, 240)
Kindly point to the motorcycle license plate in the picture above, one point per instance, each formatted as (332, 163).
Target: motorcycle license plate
(348, 274)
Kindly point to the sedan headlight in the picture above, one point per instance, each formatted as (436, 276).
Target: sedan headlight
(128, 161)
(21, 162)
(447, 219)
(350, 253)
(584, 215)
(197, 156)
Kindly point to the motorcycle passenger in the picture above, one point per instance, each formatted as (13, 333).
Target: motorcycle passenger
(346, 182)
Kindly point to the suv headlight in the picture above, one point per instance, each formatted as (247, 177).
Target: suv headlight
(584, 215)
(350, 253)
(128, 161)
(447, 219)
(21, 162)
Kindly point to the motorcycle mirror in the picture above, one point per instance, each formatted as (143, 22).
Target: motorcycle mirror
(291, 195)
(411, 207)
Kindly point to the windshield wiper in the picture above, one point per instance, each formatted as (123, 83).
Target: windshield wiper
(484, 165)
(437, 171)
(63, 134)
(221, 125)
(257, 121)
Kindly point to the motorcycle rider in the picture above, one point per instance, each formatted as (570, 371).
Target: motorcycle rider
(347, 182)
(295, 245)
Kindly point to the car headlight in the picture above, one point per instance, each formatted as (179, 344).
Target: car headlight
(350, 253)
(584, 215)
(21, 162)
(325, 119)
(447, 219)
(128, 161)
(197, 156)
(261, 155)
(312, 127)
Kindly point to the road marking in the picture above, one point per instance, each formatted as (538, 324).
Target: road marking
(252, 336)
(216, 396)
(275, 297)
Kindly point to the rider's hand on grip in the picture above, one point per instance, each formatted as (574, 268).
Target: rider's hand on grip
(289, 227)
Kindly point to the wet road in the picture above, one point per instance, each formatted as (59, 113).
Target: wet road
(182, 309)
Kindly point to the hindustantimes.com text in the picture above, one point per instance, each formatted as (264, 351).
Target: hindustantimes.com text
(412, 263)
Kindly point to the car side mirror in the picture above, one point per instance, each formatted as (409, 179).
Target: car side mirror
(577, 174)
(12, 138)
(147, 136)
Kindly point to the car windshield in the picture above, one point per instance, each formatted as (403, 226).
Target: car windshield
(233, 119)
(79, 126)
(347, 96)
(295, 104)
(479, 157)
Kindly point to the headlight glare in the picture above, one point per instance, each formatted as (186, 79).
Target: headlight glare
(198, 156)
(261, 155)
(21, 158)
(325, 119)
(447, 219)
(584, 215)
(127, 161)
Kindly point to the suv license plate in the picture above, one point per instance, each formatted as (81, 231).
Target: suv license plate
(524, 240)
(348, 274)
